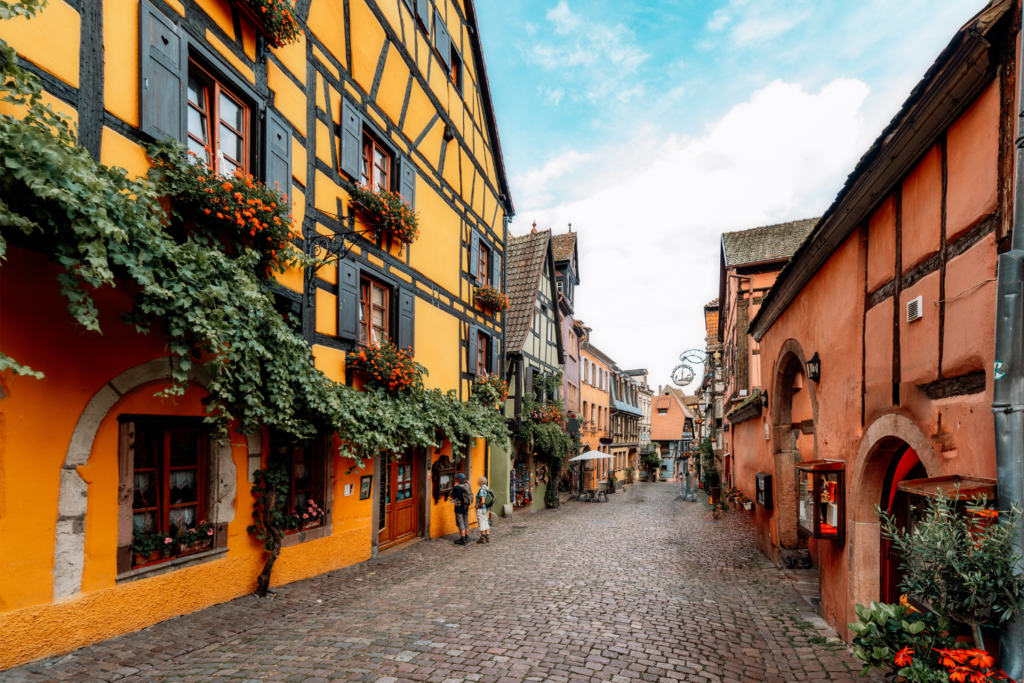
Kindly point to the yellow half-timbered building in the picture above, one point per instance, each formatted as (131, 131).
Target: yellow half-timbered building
(382, 93)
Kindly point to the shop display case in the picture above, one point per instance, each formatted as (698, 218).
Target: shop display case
(821, 499)
(964, 490)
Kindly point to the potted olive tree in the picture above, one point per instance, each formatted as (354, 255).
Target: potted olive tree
(968, 572)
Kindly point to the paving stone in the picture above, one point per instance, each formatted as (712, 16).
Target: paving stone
(642, 588)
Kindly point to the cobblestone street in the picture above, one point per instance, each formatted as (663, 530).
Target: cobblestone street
(643, 588)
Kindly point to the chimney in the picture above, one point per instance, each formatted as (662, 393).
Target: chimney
(534, 231)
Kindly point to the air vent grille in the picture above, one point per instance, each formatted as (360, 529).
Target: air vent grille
(915, 309)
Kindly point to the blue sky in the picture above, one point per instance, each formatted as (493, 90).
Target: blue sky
(653, 127)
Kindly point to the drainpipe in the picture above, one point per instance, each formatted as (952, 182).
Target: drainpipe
(1008, 387)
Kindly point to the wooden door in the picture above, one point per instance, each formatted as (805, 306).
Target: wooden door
(400, 493)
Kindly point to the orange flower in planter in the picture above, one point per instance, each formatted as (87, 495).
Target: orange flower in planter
(903, 657)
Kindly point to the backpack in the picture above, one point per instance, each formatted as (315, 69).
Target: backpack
(466, 497)
(489, 499)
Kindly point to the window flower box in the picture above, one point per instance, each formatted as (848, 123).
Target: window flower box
(389, 212)
(822, 499)
(192, 548)
(273, 18)
(491, 298)
(386, 367)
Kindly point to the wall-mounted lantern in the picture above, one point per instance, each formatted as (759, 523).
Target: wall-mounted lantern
(822, 499)
(814, 368)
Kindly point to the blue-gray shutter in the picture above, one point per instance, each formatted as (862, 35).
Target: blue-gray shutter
(495, 354)
(407, 180)
(423, 11)
(348, 300)
(406, 319)
(163, 75)
(351, 138)
(442, 41)
(474, 253)
(496, 270)
(277, 154)
(409, 4)
(473, 345)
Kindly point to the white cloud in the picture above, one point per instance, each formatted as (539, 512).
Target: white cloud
(650, 210)
(563, 18)
(750, 23)
(593, 58)
(552, 95)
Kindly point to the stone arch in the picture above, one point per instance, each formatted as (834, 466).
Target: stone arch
(882, 440)
(792, 362)
(73, 499)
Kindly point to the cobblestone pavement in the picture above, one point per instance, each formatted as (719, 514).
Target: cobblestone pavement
(643, 588)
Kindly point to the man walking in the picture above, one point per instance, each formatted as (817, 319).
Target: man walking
(462, 496)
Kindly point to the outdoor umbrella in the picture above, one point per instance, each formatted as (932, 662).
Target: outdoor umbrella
(591, 455)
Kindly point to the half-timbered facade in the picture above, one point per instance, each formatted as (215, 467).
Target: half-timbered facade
(534, 349)
(388, 94)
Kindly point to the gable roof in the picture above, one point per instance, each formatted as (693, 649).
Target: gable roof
(564, 246)
(524, 270)
(948, 88)
(766, 243)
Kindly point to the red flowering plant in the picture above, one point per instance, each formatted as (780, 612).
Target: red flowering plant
(387, 366)
(308, 513)
(491, 298)
(490, 390)
(236, 210)
(547, 413)
(279, 24)
(391, 212)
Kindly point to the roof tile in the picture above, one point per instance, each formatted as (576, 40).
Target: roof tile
(525, 264)
(767, 243)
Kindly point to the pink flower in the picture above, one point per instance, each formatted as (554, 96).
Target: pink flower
(191, 531)
(166, 541)
(209, 532)
(305, 516)
(312, 502)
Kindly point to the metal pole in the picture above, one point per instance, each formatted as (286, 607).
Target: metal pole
(1008, 387)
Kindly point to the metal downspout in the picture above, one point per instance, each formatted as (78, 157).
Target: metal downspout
(1008, 386)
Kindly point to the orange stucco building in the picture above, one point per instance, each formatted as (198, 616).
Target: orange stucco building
(405, 83)
(894, 292)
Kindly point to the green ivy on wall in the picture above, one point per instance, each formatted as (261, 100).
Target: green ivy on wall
(211, 298)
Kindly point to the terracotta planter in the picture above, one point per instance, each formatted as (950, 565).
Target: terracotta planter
(193, 548)
(146, 559)
(311, 524)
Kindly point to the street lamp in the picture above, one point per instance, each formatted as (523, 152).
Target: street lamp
(814, 368)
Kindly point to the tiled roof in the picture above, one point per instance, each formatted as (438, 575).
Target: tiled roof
(525, 266)
(563, 246)
(767, 243)
(712, 304)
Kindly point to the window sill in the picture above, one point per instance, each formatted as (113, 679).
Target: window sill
(171, 565)
(306, 535)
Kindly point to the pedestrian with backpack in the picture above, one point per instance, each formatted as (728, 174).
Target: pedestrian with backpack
(484, 502)
(462, 496)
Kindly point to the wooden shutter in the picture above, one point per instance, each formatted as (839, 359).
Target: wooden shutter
(495, 355)
(473, 345)
(407, 180)
(348, 300)
(277, 154)
(528, 379)
(351, 138)
(474, 253)
(406, 319)
(423, 11)
(163, 72)
(442, 41)
(496, 270)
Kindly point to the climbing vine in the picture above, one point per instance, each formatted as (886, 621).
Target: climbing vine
(205, 283)
(540, 422)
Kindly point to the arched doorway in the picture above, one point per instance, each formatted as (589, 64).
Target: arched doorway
(904, 465)
(794, 416)
(886, 456)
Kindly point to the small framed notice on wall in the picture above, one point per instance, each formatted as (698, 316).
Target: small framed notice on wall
(364, 486)
(350, 489)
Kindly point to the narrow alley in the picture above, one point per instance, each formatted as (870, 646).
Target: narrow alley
(645, 587)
